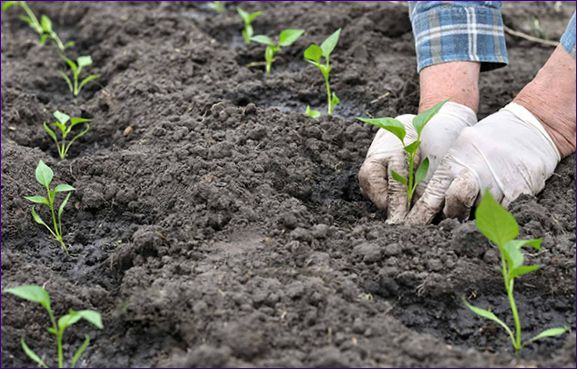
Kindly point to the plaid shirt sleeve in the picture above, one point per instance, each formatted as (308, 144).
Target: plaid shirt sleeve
(448, 31)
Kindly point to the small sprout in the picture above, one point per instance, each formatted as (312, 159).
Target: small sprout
(217, 6)
(247, 18)
(501, 228)
(312, 113)
(42, 27)
(285, 39)
(62, 125)
(44, 176)
(76, 67)
(40, 296)
(398, 129)
(314, 53)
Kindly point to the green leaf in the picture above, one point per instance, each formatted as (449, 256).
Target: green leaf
(37, 199)
(262, 39)
(64, 188)
(551, 332)
(399, 178)
(37, 218)
(92, 317)
(74, 316)
(313, 53)
(422, 119)
(87, 80)
(522, 270)
(421, 172)
(330, 43)
(253, 16)
(289, 36)
(71, 64)
(62, 127)
(31, 354)
(75, 120)
(335, 100)
(84, 61)
(43, 40)
(32, 293)
(8, 4)
(495, 222)
(512, 249)
(390, 124)
(489, 315)
(44, 174)
(62, 117)
(61, 208)
(413, 147)
(50, 132)
(244, 15)
(68, 81)
(80, 351)
(69, 44)
(82, 133)
(312, 113)
(46, 24)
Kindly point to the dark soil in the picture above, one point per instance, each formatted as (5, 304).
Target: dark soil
(227, 229)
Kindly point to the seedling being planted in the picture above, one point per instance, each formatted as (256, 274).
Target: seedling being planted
(44, 176)
(501, 228)
(285, 39)
(314, 54)
(40, 296)
(411, 150)
(74, 84)
(42, 27)
(247, 18)
(64, 124)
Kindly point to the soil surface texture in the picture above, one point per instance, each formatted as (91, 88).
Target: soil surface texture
(213, 224)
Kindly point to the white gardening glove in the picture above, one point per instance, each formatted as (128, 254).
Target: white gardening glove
(386, 154)
(508, 153)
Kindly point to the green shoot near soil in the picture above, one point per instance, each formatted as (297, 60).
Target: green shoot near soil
(247, 18)
(62, 125)
(312, 113)
(501, 228)
(42, 27)
(398, 129)
(217, 6)
(314, 53)
(74, 84)
(286, 38)
(39, 295)
(44, 176)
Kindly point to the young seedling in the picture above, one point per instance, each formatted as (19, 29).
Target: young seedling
(40, 296)
(398, 129)
(313, 54)
(64, 123)
(312, 113)
(44, 176)
(247, 18)
(75, 85)
(285, 39)
(501, 228)
(217, 6)
(42, 27)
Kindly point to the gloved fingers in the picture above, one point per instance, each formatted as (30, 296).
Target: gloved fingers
(373, 181)
(432, 200)
(461, 196)
(398, 205)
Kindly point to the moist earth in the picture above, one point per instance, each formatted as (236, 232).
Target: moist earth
(215, 225)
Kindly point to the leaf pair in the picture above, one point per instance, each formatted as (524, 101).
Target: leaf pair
(286, 38)
(247, 18)
(64, 124)
(74, 84)
(44, 176)
(314, 54)
(40, 296)
(397, 128)
(501, 228)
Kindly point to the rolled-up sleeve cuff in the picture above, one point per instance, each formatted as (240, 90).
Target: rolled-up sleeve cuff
(448, 33)
(568, 38)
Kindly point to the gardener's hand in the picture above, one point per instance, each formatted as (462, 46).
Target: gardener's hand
(509, 153)
(386, 154)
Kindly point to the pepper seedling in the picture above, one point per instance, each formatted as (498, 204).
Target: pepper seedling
(40, 296)
(217, 6)
(42, 27)
(312, 113)
(64, 123)
(285, 39)
(44, 176)
(501, 228)
(314, 53)
(247, 18)
(76, 67)
(398, 129)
